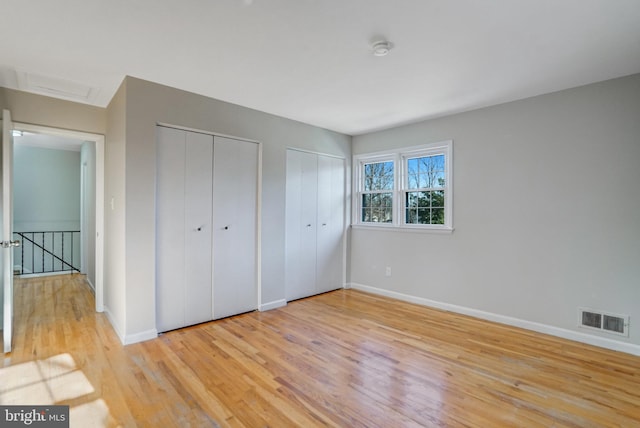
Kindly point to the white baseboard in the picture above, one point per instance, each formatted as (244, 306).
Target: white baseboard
(18, 268)
(114, 324)
(41, 275)
(602, 342)
(140, 337)
(272, 305)
(90, 285)
(129, 338)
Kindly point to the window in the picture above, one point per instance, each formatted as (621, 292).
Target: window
(409, 188)
(424, 189)
(377, 192)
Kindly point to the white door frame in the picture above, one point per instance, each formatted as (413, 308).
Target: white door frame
(7, 228)
(83, 218)
(99, 141)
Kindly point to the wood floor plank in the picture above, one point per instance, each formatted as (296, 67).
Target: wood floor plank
(341, 359)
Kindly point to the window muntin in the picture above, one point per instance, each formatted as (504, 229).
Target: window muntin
(409, 189)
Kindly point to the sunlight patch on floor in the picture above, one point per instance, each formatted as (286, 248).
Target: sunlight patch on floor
(55, 380)
(92, 414)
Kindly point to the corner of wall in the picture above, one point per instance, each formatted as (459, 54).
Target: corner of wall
(114, 219)
(114, 324)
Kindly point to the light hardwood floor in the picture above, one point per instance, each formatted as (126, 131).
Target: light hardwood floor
(342, 359)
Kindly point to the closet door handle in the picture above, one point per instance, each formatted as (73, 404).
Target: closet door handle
(324, 224)
(309, 225)
(226, 227)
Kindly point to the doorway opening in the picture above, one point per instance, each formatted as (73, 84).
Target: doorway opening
(76, 214)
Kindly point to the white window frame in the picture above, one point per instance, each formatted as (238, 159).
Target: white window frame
(399, 158)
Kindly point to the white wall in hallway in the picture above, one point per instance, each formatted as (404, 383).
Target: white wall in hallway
(46, 189)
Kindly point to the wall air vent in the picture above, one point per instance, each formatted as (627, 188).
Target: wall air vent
(591, 319)
(604, 321)
(614, 324)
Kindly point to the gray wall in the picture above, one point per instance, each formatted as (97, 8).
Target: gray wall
(147, 104)
(546, 210)
(46, 111)
(114, 221)
(46, 189)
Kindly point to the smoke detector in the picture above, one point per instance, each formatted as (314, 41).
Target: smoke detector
(381, 48)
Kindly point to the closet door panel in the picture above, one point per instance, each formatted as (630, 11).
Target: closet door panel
(325, 206)
(198, 191)
(293, 230)
(330, 223)
(170, 220)
(302, 193)
(309, 223)
(235, 180)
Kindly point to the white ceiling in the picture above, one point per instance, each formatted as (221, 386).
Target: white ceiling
(310, 60)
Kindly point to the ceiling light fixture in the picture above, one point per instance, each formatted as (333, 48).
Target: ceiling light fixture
(16, 133)
(381, 48)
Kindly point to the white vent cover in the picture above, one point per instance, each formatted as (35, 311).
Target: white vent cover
(604, 321)
(55, 87)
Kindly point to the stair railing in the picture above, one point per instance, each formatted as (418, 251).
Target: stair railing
(43, 259)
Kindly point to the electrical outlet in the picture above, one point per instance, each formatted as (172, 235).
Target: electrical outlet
(387, 271)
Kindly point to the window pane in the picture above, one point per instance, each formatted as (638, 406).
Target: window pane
(423, 216)
(411, 216)
(413, 177)
(424, 199)
(426, 172)
(417, 215)
(418, 199)
(438, 179)
(437, 216)
(437, 198)
(387, 200)
(388, 217)
(439, 162)
(378, 176)
(381, 200)
(411, 200)
(381, 215)
(377, 207)
(424, 207)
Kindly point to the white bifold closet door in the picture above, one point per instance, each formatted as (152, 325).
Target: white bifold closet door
(235, 178)
(315, 192)
(206, 232)
(301, 224)
(331, 204)
(184, 238)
